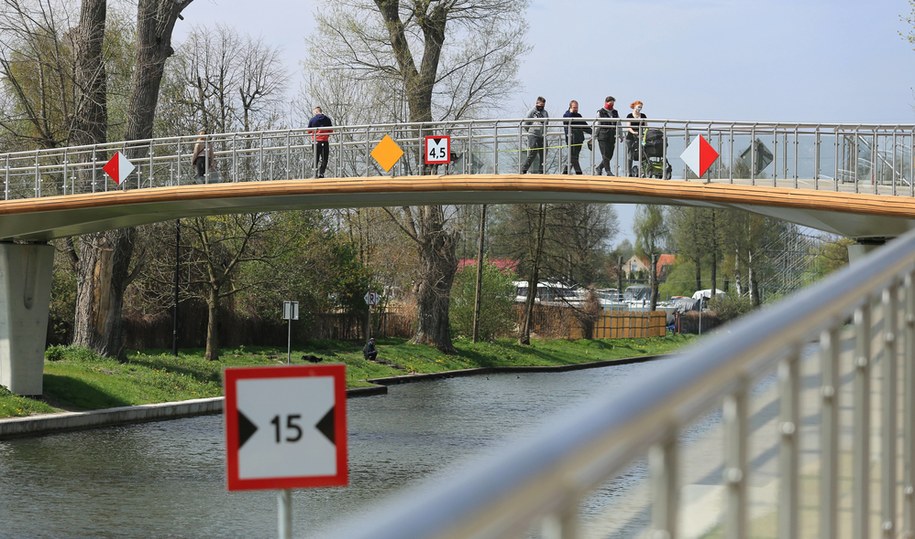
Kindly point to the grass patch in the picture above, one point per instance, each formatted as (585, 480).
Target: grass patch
(76, 379)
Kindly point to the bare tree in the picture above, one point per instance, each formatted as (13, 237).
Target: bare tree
(432, 58)
(104, 259)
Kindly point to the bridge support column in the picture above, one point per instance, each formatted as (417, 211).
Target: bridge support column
(25, 297)
(862, 247)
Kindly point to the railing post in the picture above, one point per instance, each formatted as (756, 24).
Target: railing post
(890, 421)
(563, 524)
(753, 155)
(861, 412)
(735, 462)
(37, 176)
(665, 487)
(829, 432)
(789, 428)
(6, 179)
(816, 158)
(908, 456)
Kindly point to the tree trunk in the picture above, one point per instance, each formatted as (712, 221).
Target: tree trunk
(653, 281)
(619, 277)
(104, 260)
(212, 351)
(533, 278)
(479, 285)
(438, 264)
(104, 275)
(698, 273)
(90, 122)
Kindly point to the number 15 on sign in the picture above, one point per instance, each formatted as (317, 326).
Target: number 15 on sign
(286, 427)
(438, 150)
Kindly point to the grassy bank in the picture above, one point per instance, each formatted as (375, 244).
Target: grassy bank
(75, 379)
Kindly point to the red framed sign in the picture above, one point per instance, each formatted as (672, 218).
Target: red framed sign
(286, 427)
(438, 150)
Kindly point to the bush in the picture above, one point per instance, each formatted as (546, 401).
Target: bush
(497, 294)
(729, 307)
(72, 353)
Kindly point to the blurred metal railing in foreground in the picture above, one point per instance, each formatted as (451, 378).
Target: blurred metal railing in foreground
(795, 449)
(857, 158)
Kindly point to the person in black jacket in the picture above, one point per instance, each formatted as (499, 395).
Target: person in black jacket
(575, 136)
(606, 134)
(633, 134)
(369, 352)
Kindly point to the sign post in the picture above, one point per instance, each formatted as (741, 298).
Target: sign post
(285, 428)
(371, 299)
(290, 312)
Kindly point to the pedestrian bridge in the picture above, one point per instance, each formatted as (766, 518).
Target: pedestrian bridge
(817, 435)
(847, 179)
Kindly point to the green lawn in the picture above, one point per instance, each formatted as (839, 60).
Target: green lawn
(75, 379)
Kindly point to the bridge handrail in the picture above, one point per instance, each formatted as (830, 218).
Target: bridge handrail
(860, 157)
(575, 452)
(558, 120)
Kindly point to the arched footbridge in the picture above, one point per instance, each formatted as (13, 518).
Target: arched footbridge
(852, 180)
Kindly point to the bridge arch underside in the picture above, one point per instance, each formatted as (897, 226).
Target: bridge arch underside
(863, 217)
(25, 290)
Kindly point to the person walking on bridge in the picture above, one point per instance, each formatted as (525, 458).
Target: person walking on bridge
(633, 136)
(536, 131)
(320, 135)
(606, 133)
(203, 157)
(575, 137)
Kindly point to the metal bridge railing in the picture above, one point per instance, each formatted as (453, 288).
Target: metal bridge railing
(797, 421)
(858, 158)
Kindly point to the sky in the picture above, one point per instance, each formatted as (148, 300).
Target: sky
(825, 61)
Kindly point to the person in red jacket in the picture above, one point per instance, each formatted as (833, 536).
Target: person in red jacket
(320, 135)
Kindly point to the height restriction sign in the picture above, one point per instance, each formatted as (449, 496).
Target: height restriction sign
(438, 150)
(285, 427)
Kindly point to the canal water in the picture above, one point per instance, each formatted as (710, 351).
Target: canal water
(167, 479)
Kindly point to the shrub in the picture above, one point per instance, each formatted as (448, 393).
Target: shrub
(70, 352)
(497, 295)
(729, 307)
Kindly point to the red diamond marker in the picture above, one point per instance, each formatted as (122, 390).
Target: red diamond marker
(118, 167)
(699, 155)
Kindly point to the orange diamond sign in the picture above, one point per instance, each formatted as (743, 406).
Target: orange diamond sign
(387, 153)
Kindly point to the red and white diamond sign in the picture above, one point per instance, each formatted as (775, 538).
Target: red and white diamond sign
(699, 155)
(118, 167)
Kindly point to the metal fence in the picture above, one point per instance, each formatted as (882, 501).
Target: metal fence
(858, 158)
(797, 421)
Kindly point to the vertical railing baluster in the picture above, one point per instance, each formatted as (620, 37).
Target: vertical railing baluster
(753, 155)
(816, 159)
(789, 428)
(565, 523)
(861, 413)
(890, 428)
(908, 460)
(37, 176)
(875, 180)
(665, 487)
(735, 465)
(731, 152)
(6, 179)
(829, 432)
(796, 153)
(288, 154)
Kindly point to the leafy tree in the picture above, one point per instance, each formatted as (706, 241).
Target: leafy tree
(438, 59)
(498, 316)
(651, 236)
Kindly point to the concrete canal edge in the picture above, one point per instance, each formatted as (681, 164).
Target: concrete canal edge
(67, 421)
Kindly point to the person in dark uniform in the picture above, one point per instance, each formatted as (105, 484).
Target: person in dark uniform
(369, 352)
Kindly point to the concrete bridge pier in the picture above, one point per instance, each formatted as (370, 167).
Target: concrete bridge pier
(863, 246)
(25, 297)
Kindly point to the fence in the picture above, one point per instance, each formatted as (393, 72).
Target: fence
(858, 158)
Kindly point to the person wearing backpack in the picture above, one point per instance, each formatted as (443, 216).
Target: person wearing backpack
(606, 133)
